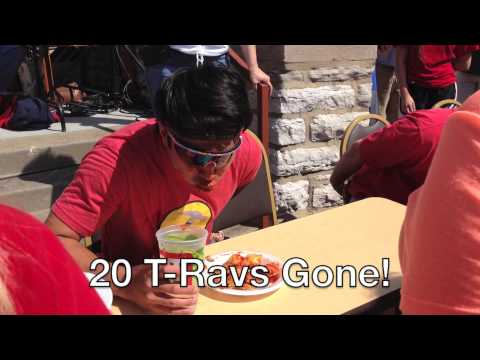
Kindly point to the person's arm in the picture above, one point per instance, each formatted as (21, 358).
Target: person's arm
(408, 103)
(463, 63)
(168, 298)
(256, 74)
(463, 56)
(71, 241)
(348, 165)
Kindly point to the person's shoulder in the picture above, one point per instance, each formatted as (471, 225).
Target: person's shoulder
(138, 131)
(405, 127)
(408, 121)
(432, 114)
(250, 153)
(421, 116)
(430, 120)
(251, 143)
(134, 129)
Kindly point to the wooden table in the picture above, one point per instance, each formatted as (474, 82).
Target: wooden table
(358, 234)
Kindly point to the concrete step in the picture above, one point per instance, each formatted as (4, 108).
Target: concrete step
(41, 214)
(35, 151)
(35, 192)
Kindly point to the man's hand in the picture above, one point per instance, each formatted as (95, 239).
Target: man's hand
(408, 104)
(346, 167)
(168, 298)
(258, 76)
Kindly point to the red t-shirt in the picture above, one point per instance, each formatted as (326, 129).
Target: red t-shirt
(127, 186)
(431, 65)
(39, 275)
(397, 158)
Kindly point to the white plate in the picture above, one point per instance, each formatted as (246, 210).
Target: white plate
(105, 293)
(220, 259)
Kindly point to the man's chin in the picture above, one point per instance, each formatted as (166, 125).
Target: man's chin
(205, 186)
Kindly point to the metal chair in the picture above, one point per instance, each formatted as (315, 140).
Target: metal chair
(256, 200)
(447, 103)
(355, 130)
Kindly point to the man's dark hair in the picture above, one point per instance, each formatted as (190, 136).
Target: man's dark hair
(207, 102)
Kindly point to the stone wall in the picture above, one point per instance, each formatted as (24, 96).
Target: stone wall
(319, 89)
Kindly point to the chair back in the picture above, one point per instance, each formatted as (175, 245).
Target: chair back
(447, 104)
(256, 200)
(358, 129)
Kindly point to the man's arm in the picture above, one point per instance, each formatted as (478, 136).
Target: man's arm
(71, 241)
(166, 299)
(348, 165)
(256, 74)
(463, 63)
(408, 104)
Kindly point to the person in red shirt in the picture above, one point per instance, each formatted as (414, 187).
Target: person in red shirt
(426, 73)
(37, 275)
(439, 247)
(182, 167)
(391, 162)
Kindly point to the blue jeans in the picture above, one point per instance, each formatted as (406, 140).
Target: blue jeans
(175, 61)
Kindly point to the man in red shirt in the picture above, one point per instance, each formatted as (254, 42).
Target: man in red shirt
(391, 162)
(37, 275)
(185, 167)
(426, 73)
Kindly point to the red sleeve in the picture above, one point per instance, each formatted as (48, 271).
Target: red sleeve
(461, 50)
(96, 190)
(251, 160)
(391, 145)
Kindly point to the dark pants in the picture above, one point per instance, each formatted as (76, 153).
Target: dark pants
(176, 60)
(388, 93)
(425, 98)
(11, 57)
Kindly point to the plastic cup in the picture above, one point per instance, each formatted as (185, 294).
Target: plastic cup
(182, 242)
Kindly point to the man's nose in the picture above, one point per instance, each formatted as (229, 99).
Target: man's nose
(209, 168)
